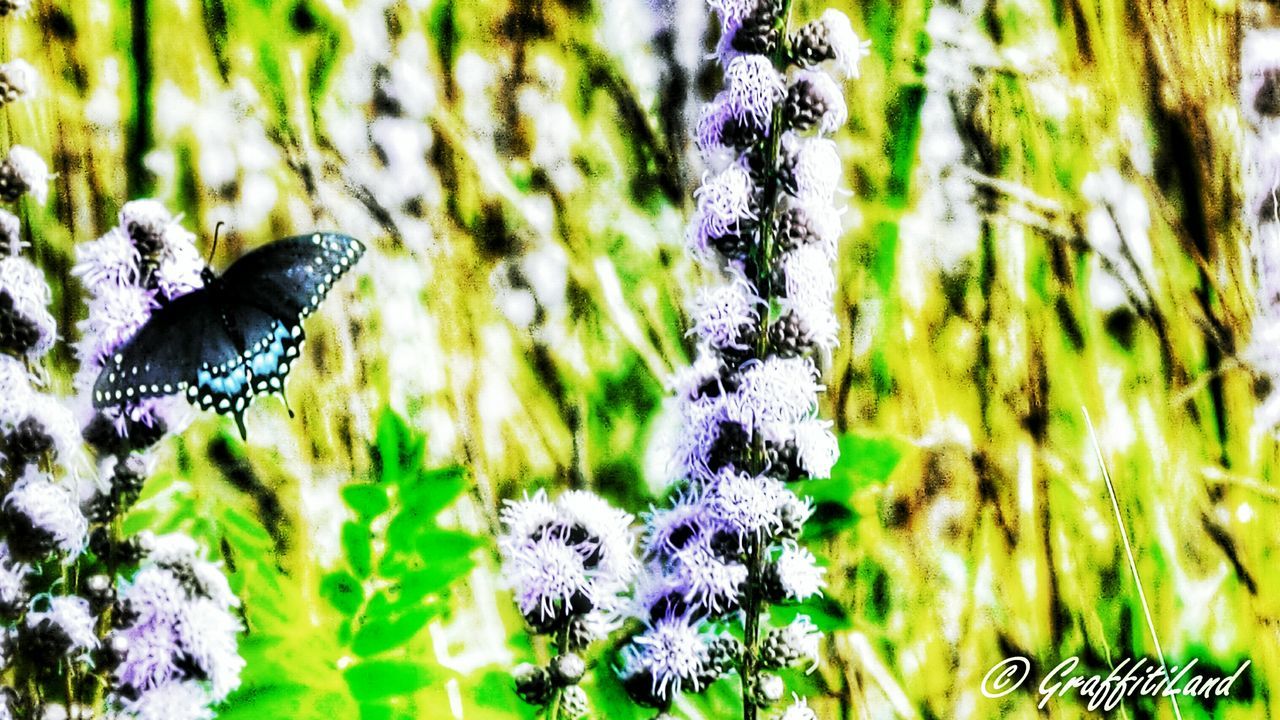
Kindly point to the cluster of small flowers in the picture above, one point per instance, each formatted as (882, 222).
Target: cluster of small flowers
(174, 637)
(767, 220)
(145, 261)
(167, 637)
(1260, 103)
(569, 562)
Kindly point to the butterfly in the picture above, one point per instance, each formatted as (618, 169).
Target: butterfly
(237, 336)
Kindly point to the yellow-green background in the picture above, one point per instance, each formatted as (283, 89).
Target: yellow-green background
(968, 519)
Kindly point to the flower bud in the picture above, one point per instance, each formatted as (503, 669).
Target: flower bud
(567, 669)
(23, 171)
(573, 702)
(533, 684)
(760, 29)
(769, 689)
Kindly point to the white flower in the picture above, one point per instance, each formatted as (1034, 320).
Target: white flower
(70, 614)
(24, 171)
(171, 701)
(745, 505)
(845, 44)
(13, 578)
(813, 168)
(816, 447)
(798, 572)
(722, 314)
(798, 710)
(50, 510)
(672, 650)
(752, 88)
(775, 390)
(28, 298)
(16, 394)
(725, 201)
(111, 260)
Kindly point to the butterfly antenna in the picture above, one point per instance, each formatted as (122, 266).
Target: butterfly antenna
(216, 229)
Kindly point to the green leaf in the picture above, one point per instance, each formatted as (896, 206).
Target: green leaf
(343, 591)
(381, 635)
(368, 501)
(262, 701)
(357, 542)
(866, 459)
(379, 679)
(431, 491)
(392, 436)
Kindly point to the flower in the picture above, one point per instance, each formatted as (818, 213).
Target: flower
(796, 574)
(176, 625)
(13, 583)
(65, 630)
(752, 88)
(174, 700)
(798, 710)
(814, 100)
(23, 171)
(726, 315)
(670, 653)
(26, 326)
(567, 559)
(811, 168)
(17, 80)
(42, 516)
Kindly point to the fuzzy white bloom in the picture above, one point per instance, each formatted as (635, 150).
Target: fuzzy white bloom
(775, 390)
(752, 88)
(725, 201)
(723, 313)
(847, 47)
(812, 167)
(17, 80)
(16, 393)
(672, 650)
(816, 447)
(111, 261)
(69, 614)
(174, 700)
(745, 505)
(25, 294)
(13, 578)
(50, 510)
(24, 171)
(798, 573)
(798, 710)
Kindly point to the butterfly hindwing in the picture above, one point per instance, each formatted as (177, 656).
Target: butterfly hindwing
(238, 336)
(159, 359)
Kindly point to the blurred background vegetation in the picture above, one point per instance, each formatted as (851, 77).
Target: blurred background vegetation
(1044, 217)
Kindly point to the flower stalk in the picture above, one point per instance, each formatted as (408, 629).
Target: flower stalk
(725, 549)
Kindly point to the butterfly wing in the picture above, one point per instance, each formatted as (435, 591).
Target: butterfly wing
(162, 357)
(289, 278)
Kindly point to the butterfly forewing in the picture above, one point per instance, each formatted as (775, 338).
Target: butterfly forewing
(289, 278)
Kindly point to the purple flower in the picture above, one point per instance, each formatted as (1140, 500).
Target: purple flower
(570, 558)
(745, 505)
(670, 653)
(726, 203)
(177, 619)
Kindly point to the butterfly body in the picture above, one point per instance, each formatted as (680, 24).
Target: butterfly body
(237, 336)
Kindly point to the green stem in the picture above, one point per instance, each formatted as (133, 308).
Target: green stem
(756, 550)
(557, 696)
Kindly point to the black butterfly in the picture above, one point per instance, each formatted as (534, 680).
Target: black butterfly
(237, 336)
